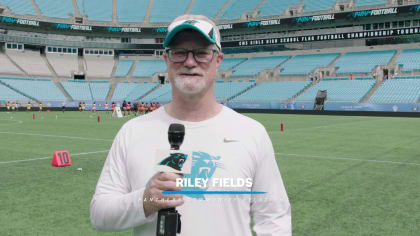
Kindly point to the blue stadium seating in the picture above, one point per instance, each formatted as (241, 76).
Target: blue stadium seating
(276, 7)
(397, 91)
(140, 90)
(224, 91)
(162, 94)
(19, 7)
(409, 59)
(166, 10)
(122, 90)
(366, 61)
(40, 89)
(54, 8)
(147, 68)
(305, 64)
(339, 90)
(131, 91)
(273, 91)
(8, 94)
(255, 65)
(78, 90)
(364, 3)
(228, 63)
(318, 5)
(123, 68)
(99, 90)
(207, 8)
(132, 11)
(96, 10)
(238, 7)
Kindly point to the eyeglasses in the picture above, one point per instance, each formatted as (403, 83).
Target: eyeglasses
(201, 55)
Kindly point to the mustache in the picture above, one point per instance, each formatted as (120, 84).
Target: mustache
(198, 72)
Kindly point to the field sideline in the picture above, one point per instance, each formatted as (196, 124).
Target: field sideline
(344, 175)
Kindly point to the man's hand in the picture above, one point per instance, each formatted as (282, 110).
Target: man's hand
(154, 200)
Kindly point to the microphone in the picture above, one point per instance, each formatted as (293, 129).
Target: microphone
(169, 220)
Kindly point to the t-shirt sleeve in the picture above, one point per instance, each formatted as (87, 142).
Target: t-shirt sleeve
(271, 211)
(115, 206)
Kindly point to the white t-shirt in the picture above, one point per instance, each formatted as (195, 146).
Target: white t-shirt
(228, 145)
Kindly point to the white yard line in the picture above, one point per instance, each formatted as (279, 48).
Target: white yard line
(16, 122)
(49, 157)
(56, 136)
(347, 159)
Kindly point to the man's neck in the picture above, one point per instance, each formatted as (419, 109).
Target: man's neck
(193, 108)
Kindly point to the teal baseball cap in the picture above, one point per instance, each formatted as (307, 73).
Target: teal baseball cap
(199, 23)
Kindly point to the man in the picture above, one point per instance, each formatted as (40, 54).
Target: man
(106, 107)
(28, 106)
(225, 145)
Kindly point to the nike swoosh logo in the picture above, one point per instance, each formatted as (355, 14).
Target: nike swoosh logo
(229, 140)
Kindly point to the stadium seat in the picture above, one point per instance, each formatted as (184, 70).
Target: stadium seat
(132, 11)
(366, 61)
(78, 90)
(237, 8)
(8, 94)
(276, 7)
(7, 67)
(305, 64)
(225, 91)
(40, 89)
(364, 3)
(207, 8)
(255, 65)
(339, 90)
(161, 94)
(409, 59)
(96, 10)
(272, 91)
(54, 8)
(131, 91)
(147, 68)
(229, 63)
(166, 10)
(19, 7)
(397, 91)
(31, 62)
(63, 64)
(318, 5)
(99, 89)
(123, 68)
(99, 66)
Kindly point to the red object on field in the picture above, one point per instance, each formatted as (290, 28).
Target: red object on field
(61, 158)
(33, 116)
(99, 119)
(281, 127)
(48, 111)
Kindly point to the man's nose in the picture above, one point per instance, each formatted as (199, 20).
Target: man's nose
(190, 61)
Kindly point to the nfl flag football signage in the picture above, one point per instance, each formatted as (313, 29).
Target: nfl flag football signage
(61, 158)
(174, 161)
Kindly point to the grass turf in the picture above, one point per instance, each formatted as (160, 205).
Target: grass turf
(344, 175)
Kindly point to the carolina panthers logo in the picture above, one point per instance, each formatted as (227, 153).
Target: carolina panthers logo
(175, 160)
(191, 22)
(203, 166)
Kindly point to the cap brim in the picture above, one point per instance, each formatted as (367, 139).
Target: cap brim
(181, 27)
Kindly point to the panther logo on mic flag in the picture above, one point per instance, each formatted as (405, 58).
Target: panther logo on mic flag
(175, 160)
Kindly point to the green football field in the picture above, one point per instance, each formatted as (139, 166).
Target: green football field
(344, 175)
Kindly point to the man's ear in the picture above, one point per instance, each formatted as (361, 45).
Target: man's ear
(165, 57)
(219, 59)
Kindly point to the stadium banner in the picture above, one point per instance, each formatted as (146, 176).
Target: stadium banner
(324, 37)
(328, 106)
(60, 27)
(323, 17)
